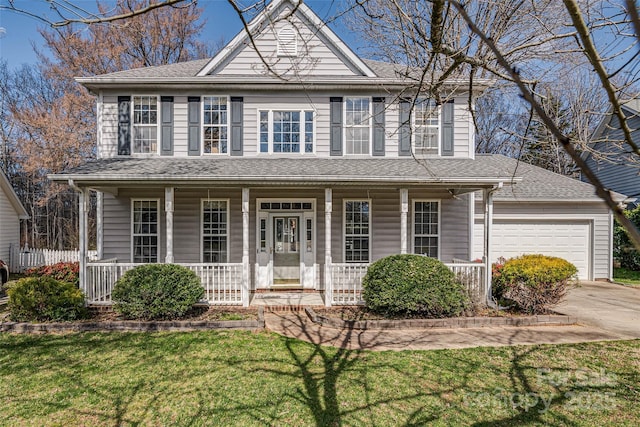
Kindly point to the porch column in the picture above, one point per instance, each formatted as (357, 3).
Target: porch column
(100, 224)
(404, 210)
(488, 226)
(168, 209)
(328, 286)
(245, 247)
(83, 201)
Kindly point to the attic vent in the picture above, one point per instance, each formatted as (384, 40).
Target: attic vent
(287, 42)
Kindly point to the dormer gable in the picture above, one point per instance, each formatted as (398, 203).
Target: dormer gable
(293, 41)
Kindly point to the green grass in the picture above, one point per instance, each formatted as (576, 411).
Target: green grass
(626, 276)
(243, 379)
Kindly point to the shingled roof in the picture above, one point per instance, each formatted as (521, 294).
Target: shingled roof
(530, 183)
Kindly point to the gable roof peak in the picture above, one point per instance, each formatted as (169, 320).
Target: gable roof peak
(297, 8)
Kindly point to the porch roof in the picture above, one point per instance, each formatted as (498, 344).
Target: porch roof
(452, 173)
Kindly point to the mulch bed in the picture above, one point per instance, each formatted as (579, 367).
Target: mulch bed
(357, 313)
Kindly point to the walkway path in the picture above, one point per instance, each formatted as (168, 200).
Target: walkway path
(605, 312)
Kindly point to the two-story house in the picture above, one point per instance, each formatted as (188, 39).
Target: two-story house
(286, 161)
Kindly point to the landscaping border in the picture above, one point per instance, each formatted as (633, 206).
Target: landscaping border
(448, 323)
(133, 325)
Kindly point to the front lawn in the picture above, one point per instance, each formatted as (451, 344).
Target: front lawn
(626, 276)
(244, 378)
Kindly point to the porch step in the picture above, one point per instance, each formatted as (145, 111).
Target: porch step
(287, 301)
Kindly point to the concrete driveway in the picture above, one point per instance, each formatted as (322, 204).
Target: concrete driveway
(614, 308)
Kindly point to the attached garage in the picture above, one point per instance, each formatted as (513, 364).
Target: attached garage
(570, 240)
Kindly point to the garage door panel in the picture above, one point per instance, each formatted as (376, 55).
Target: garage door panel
(568, 240)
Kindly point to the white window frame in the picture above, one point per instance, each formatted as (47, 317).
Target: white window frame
(158, 229)
(413, 225)
(203, 124)
(134, 125)
(344, 230)
(202, 235)
(345, 126)
(414, 127)
(303, 122)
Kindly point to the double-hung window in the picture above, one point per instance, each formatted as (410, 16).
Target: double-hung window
(145, 231)
(426, 227)
(215, 230)
(286, 131)
(357, 230)
(145, 124)
(426, 127)
(215, 124)
(357, 125)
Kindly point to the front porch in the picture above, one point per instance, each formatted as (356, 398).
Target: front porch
(223, 282)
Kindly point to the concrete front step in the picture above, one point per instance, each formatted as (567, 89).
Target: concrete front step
(287, 301)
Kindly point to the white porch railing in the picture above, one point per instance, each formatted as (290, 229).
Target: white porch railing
(222, 283)
(346, 282)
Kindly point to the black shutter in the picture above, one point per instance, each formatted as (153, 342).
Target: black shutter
(335, 138)
(166, 123)
(378, 127)
(447, 129)
(124, 125)
(404, 140)
(194, 125)
(237, 111)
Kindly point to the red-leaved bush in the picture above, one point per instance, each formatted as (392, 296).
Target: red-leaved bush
(62, 271)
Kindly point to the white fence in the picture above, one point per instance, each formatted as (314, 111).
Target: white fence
(222, 282)
(22, 259)
(346, 282)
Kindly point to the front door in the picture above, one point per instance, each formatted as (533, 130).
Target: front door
(286, 250)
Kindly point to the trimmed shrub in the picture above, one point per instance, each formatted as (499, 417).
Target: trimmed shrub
(534, 283)
(63, 271)
(413, 285)
(44, 299)
(156, 291)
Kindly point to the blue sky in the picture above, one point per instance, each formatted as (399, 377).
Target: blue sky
(21, 32)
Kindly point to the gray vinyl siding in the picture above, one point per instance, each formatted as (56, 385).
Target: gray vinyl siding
(272, 100)
(117, 223)
(314, 57)
(9, 226)
(597, 213)
(622, 176)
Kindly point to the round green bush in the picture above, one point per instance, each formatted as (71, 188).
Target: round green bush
(534, 283)
(45, 299)
(156, 291)
(411, 286)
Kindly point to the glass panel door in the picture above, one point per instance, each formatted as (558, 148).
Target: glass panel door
(286, 250)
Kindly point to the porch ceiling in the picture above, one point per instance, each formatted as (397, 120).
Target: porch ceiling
(453, 173)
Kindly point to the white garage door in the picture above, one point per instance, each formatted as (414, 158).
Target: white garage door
(568, 240)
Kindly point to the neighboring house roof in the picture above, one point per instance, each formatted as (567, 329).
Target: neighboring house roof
(531, 183)
(6, 187)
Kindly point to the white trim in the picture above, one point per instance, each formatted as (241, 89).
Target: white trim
(413, 225)
(345, 126)
(273, 108)
(202, 202)
(471, 224)
(321, 28)
(99, 120)
(610, 260)
(202, 124)
(133, 124)
(158, 225)
(344, 229)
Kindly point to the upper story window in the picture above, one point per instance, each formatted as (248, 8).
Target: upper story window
(287, 42)
(357, 125)
(286, 131)
(145, 124)
(426, 127)
(215, 124)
